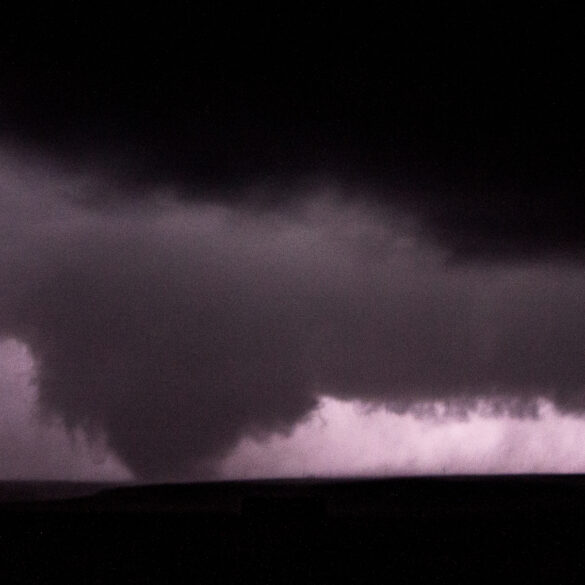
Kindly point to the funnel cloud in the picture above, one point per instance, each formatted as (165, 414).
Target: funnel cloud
(177, 328)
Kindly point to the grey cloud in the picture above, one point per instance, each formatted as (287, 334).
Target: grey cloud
(30, 451)
(176, 329)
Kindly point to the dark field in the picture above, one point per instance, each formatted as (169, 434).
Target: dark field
(427, 530)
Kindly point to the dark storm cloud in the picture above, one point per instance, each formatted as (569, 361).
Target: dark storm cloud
(178, 328)
(32, 451)
(476, 111)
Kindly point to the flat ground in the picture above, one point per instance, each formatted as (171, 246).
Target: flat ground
(437, 530)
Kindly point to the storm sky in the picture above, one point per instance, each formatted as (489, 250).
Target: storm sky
(214, 235)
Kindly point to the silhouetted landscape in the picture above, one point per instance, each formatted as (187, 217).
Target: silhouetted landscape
(426, 529)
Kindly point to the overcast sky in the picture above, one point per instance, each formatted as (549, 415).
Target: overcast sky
(217, 231)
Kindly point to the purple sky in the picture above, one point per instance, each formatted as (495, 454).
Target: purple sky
(170, 338)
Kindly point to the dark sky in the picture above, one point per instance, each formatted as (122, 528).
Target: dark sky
(212, 218)
(478, 110)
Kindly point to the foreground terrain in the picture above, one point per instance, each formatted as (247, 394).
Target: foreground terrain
(428, 530)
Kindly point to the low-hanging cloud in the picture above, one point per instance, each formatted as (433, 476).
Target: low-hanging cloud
(31, 451)
(177, 329)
